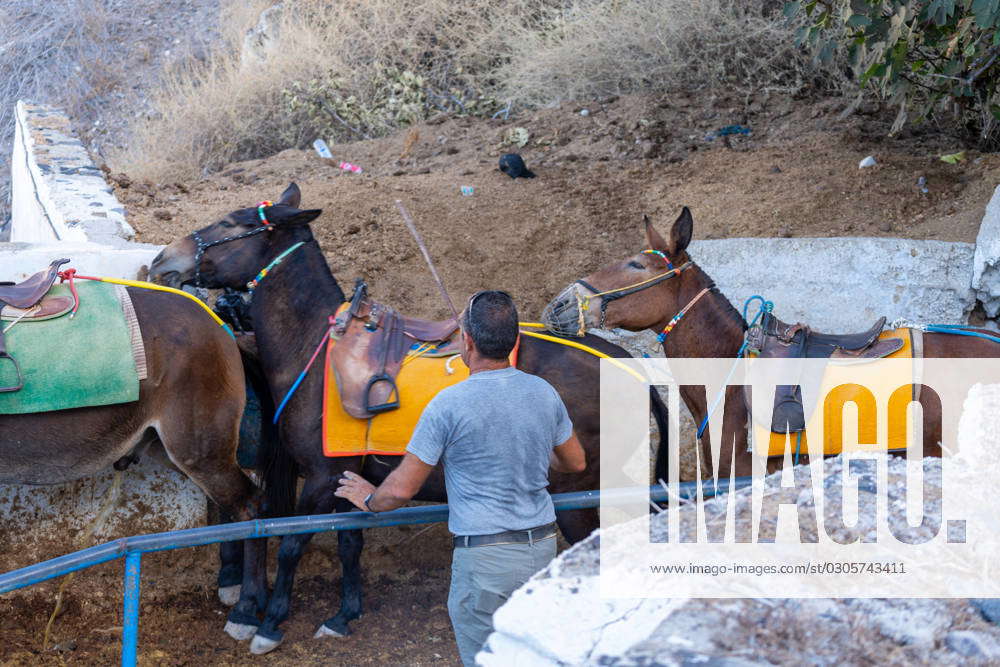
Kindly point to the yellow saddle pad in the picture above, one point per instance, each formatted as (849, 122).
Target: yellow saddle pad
(419, 379)
(837, 389)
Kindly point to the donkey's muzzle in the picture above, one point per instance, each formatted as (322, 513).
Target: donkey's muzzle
(566, 314)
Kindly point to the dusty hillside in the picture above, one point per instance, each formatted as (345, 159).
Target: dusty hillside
(796, 174)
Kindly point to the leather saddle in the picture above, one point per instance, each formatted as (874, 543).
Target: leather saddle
(372, 341)
(27, 301)
(774, 339)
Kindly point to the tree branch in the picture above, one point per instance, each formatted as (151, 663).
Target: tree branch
(327, 108)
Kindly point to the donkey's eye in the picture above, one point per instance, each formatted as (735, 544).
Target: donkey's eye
(636, 265)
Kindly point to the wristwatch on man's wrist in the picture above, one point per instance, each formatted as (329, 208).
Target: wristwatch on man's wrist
(368, 499)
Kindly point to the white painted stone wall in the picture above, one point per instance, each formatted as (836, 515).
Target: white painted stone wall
(63, 207)
(58, 194)
(837, 284)
(42, 522)
(20, 260)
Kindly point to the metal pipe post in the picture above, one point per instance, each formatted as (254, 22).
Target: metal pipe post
(130, 631)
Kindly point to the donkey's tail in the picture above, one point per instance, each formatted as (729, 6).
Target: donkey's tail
(660, 414)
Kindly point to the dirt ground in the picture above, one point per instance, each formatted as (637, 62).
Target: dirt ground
(796, 174)
(406, 574)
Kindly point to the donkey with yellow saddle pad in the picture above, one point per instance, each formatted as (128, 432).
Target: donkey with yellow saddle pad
(661, 288)
(294, 297)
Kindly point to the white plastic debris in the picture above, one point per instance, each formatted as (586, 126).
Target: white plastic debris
(867, 162)
(322, 149)
(584, 112)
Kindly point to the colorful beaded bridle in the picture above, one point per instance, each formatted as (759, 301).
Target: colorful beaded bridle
(610, 295)
(265, 225)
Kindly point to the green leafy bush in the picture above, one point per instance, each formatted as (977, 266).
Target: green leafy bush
(927, 57)
(396, 98)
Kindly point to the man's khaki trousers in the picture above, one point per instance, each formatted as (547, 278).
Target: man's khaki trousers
(482, 578)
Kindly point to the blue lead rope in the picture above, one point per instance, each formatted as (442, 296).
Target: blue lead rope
(765, 307)
(302, 375)
(958, 330)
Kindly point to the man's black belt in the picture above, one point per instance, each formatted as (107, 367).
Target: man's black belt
(529, 536)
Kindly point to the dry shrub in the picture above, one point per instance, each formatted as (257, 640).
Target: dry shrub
(337, 70)
(360, 68)
(600, 47)
(66, 52)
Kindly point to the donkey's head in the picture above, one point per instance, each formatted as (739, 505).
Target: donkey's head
(639, 292)
(230, 252)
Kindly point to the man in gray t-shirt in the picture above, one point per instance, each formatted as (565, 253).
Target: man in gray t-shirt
(496, 434)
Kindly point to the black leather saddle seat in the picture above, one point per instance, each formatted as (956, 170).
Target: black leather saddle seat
(819, 344)
(774, 339)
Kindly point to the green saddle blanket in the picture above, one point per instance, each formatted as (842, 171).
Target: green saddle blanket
(73, 362)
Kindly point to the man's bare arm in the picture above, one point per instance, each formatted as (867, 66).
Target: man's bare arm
(569, 456)
(398, 488)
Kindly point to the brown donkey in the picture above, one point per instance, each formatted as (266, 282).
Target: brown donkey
(662, 288)
(191, 404)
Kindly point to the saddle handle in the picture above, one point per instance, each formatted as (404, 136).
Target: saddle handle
(381, 407)
(20, 378)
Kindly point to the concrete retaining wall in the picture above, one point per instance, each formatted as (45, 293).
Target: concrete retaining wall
(62, 207)
(837, 284)
(44, 521)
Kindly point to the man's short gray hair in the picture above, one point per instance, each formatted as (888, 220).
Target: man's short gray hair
(491, 320)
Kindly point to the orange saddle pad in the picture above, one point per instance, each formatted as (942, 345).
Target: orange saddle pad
(419, 379)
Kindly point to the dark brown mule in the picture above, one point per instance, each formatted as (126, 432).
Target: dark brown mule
(710, 328)
(191, 402)
(290, 311)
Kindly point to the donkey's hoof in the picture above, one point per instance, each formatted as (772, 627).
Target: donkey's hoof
(229, 595)
(240, 631)
(261, 645)
(322, 632)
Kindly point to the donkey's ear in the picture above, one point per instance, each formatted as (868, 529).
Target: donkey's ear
(296, 217)
(680, 233)
(653, 239)
(292, 196)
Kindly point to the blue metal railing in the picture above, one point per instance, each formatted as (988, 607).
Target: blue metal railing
(132, 548)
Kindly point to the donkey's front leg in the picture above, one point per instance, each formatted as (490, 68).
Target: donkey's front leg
(350, 544)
